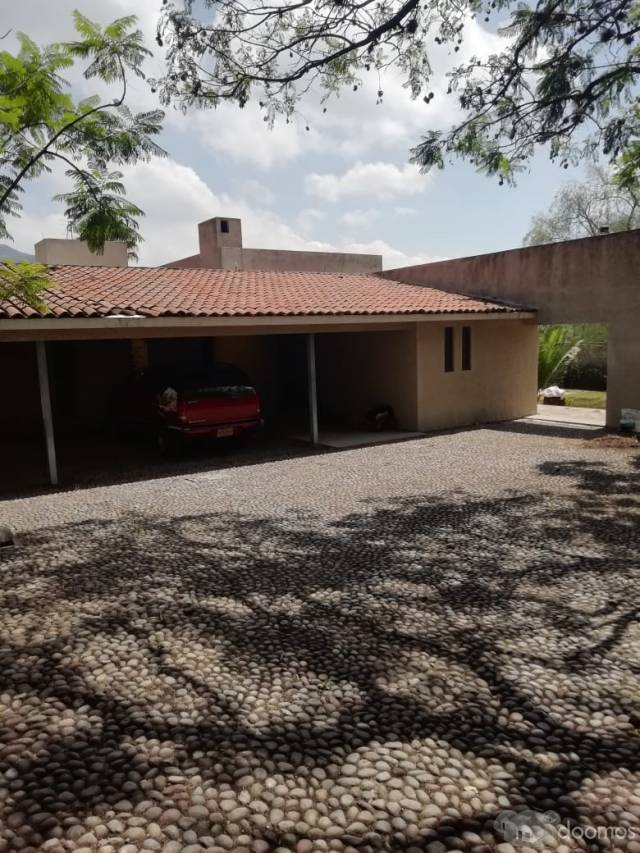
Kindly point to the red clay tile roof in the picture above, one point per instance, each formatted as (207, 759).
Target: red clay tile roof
(166, 292)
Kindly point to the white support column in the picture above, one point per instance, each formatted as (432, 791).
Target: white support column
(313, 398)
(47, 418)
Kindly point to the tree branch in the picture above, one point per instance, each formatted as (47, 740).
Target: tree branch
(46, 148)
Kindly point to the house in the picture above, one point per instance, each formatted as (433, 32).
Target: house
(321, 347)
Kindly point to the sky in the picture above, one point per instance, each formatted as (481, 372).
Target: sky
(345, 184)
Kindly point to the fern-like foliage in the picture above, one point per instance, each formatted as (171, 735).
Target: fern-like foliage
(97, 209)
(23, 283)
(558, 348)
(41, 124)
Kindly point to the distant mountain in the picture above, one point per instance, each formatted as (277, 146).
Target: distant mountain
(14, 254)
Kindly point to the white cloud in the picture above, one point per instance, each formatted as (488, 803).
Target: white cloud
(308, 220)
(257, 192)
(242, 134)
(405, 211)
(353, 124)
(391, 257)
(175, 199)
(359, 218)
(358, 124)
(381, 180)
(53, 21)
(31, 228)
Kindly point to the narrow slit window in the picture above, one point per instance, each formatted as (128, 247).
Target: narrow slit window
(224, 226)
(448, 349)
(466, 347)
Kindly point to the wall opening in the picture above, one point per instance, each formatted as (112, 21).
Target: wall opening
(465, 333)
(448, 349)
(574, 358)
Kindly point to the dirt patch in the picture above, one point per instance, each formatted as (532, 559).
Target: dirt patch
(614, 441)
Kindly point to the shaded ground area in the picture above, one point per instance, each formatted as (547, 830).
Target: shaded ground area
(87, 461)
(382, 649)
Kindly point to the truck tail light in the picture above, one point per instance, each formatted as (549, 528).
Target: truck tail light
(181, 412)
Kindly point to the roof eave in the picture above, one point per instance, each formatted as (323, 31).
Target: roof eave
(141, 322)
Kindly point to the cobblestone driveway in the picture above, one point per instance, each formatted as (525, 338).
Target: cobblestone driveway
(382, 649)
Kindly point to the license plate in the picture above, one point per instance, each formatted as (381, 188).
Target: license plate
(224, 432)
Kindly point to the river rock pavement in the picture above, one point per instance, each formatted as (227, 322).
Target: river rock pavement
(395, 648)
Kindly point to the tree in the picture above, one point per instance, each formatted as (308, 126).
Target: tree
(41, 124)
(23, 281)
(558, 347)
(582, 209)
(566, 78)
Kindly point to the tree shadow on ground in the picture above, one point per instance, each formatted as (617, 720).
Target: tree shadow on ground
(400, 675)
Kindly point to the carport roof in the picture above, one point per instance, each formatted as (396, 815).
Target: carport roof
(165, 292)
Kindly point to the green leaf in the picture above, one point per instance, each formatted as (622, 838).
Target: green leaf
(97, 210)
(24, 282)
(40, 122)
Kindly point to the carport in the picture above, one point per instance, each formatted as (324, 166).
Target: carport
(329, 345)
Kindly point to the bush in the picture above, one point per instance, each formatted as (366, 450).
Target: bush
(587, 377)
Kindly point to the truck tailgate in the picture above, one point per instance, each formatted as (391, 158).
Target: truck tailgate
(222, 407)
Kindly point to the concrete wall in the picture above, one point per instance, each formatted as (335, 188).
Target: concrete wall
(596, 279)
(223, 249)
(255, 355)
(53, 251)
(501, 384)
(192, 262)
(359, 370)
(279, 259)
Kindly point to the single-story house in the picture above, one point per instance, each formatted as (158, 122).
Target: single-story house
(323, 346)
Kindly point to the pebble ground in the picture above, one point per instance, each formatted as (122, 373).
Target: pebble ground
(381, 649)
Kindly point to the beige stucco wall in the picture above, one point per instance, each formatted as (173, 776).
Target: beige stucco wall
(406, 369)
(500, 385)
(288, 261)
(54, 251)
(596, 279)
(192, 262)
(234, 258)
(359, 370)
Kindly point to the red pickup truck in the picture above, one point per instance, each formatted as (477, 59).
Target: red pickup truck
(216, 402)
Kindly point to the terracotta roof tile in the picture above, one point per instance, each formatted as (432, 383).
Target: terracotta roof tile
(166, 292)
